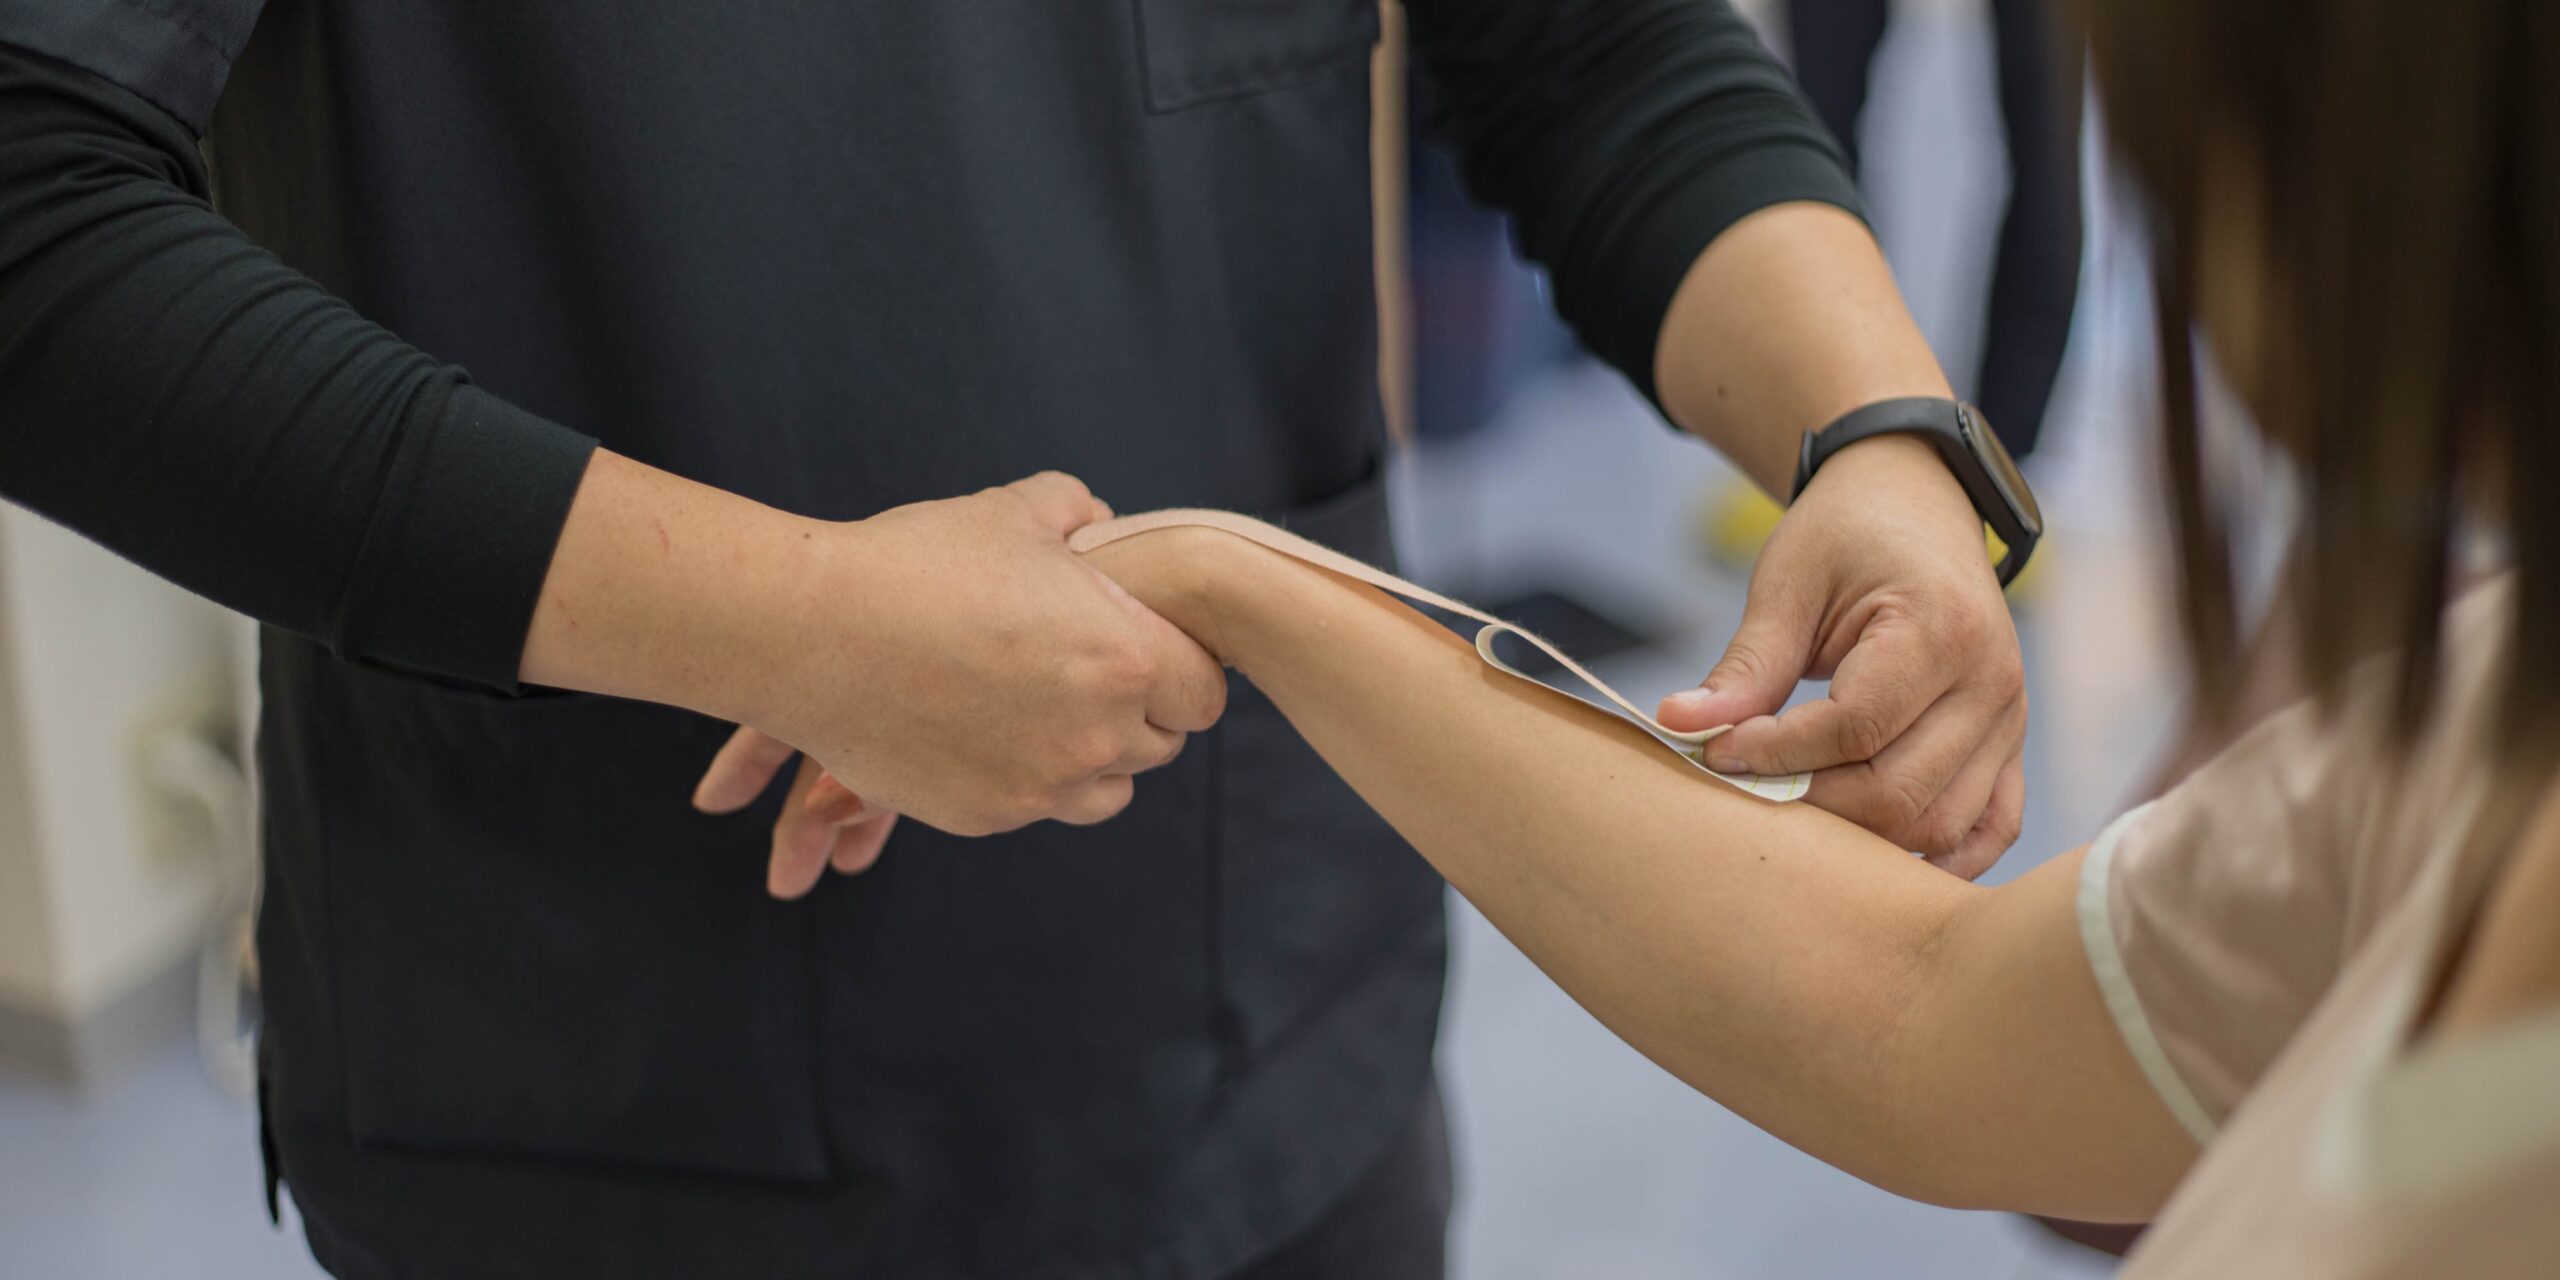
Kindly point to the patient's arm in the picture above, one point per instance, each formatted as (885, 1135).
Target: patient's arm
(1943, 1041)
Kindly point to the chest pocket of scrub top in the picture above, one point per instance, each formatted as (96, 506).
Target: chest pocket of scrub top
(1202, 50)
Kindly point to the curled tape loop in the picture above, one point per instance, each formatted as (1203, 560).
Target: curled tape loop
(1689, 744)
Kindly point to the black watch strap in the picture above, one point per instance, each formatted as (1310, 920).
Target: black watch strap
(1968, 447)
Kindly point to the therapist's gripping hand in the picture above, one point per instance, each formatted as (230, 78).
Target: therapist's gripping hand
(952, 662)
(989, 679)
(1876, 579)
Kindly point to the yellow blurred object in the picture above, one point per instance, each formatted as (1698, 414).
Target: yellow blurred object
(2030, 580)
(1734, 521)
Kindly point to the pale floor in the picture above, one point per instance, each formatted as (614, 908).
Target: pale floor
(1576, 1157)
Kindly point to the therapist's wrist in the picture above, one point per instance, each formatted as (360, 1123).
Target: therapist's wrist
(1907, 468)
(1788, 320)
(813, 592)
(669, 591)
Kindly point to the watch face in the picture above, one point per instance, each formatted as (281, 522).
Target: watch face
(2004, 475)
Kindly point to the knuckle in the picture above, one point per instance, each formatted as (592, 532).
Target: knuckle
(1903, 805)
(1110, 800)
(1742, 662)
(1863, 733)
(1943, 832)
(1196, 712)
(2008, 670)
(2005, 828)
(1092, 752)
(1097, 803)
(1964, 630)
(2007, 818)
(1213, 707)
(1136, 666)
(1049, 487)
(1122, 665)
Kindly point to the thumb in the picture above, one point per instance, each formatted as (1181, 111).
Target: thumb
(1769, 653)
(1060, 501)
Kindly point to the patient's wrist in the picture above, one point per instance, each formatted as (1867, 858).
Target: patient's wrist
(1185, 573)
(1238, 599)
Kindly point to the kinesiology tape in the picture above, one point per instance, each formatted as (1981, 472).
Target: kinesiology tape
(1690, 745)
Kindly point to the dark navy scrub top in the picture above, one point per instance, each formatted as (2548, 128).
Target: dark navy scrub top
(528, 1015)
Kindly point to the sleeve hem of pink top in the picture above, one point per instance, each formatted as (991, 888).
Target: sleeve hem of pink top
(2115, 984)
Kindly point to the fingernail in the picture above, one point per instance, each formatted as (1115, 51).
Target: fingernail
(1728, 764)
(1690, 699)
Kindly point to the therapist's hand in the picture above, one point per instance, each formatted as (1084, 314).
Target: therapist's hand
(1877, 580)
(980, 677)
(823, 823)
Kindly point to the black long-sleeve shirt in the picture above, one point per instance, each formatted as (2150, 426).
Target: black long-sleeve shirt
(185, 397)
(172, 390)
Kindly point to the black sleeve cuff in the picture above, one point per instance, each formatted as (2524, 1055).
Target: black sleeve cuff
(453, 566)
(175, 54)
(1622, 136)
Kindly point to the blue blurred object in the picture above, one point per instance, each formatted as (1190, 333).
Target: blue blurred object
(1482, 323)
(2035, 273)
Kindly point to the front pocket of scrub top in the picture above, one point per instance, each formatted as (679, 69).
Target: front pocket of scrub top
(541, 952)
(1202, 50)
(1313, 888)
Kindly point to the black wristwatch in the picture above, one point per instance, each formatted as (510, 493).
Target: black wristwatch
(1956, 430)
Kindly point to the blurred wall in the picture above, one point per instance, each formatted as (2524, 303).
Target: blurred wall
(26, 943)
(104, 885)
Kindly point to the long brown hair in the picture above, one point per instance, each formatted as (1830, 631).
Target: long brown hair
(2403, 166)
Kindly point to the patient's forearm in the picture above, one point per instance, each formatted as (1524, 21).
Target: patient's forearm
(1938, 1039)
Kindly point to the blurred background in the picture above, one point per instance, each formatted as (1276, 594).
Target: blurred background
(1535, 483)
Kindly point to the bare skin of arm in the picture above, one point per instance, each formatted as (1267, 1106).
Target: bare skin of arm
(1943, 1041)
(2509, 966)
(1788, 320)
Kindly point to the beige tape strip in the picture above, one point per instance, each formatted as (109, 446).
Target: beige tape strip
(1690, 745)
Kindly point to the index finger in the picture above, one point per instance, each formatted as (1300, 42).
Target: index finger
(1880, 689)
(741, 771)
(1190, 689)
